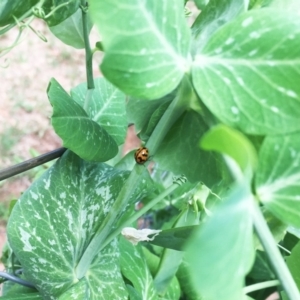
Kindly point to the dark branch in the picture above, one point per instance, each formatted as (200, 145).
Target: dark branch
(31, 163)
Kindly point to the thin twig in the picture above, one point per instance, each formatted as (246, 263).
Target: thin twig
(31, 163)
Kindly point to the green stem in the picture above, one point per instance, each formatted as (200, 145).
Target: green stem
(260, 286)
(128, 189)
(276, 260)
(88, 50)
(173, 112)
(141, 212)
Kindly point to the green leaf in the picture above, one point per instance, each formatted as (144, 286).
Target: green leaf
(278, 175)
(140, 112)
(57, 11)
(212, 257)
(54, 221)
(214, 15)
(174, 238)
(135, 269)
(106, 106)
(229, 141)
(70, 31)
(201, 3)
(20, 296)
(79, 133)
(16, 8)
(247, 72)
(292, 5)
(170, 259)
(180, 154)
(146, 44)
(293, 262)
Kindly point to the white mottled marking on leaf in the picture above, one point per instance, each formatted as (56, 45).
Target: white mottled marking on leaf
(293, 152)
(150, 85)
(34, 195)
(63, 195)
(42, 261)
(240, 81)
(252, 52)
(234, 110)
(227, 80)
(291, 94)
(229, 41)
(254, 35)
(143, 51)
(52, 242)
(218, 50)
(247, 22)
(37, 215)
(47, 183)
(291, 36)
(274, 109)
(25, 236)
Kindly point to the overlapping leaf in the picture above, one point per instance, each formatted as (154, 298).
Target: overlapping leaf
(146, 44)
(180, 153)
(215, 14)
(247, 74)
(212, 258)
(78, 131)
(54, 221)
(106, 106)
(278, 177)
(70, 31)
(135, 269)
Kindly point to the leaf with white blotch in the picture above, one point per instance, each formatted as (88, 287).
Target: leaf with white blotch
(106, 106)
(146, 44)
(135, 269)
(79, 133)
(70, 31)
(278, 177)
(247, 74)
(57, 217)
(214, 15)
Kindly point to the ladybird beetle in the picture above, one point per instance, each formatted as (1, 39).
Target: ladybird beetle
(141, 155)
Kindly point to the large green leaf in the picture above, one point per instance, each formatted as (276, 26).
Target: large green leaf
(16, 8)
(146, 44)
(179, 151)
(79, 133)
(54, 221)
(247, 74)
(135, 269)
(56, 11)
(278, 176)
(106, 106)
(70, 31)
(215, 14)
(219, 265)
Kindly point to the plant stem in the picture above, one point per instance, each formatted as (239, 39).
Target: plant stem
(88, 50)
(31, 163)
(173, 112)
(142, 211)
(128, 189)
(276, 260)
(261, 285)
